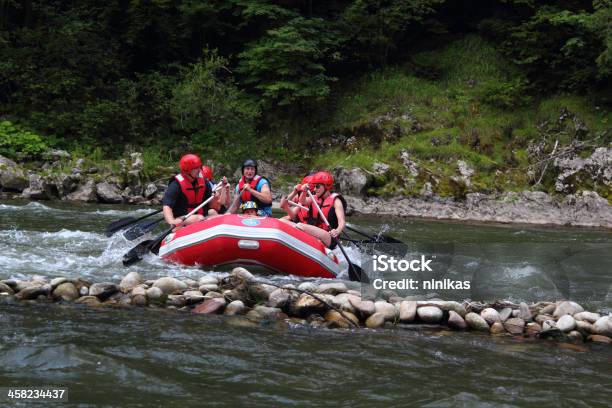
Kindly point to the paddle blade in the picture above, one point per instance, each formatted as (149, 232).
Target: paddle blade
(135, 254)
(139, 230)
(357, 274)
(119, 224)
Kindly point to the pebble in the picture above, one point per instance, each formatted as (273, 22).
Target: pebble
(210, 306)
(375, 321)
(269, 313)
(386, 309)
(566, 323)
(585, 326)
(139, 291)
(213, 295)
(598, 338)
(490, 315)
(154, 293)
(177, 300)
(280, 298)
(31, 292)
(308, 287)
(407, 311)
(567, 308)
(430, 314)
(208, 280)
(103, 290)
(84, 291)
(542, 318)
(364, 308)
(533, 328)
(549, 325)
(241, 274)
(505, 314)
(455, 321)
(548, 310)
(66, 291)
(337, 320)
(514, 325)
(260, 292)
(524, 312)
(193, 296)
(497, 328)
(88, 300)
(476, 322)
(209, 287)
(575, 336)
(235, 308)
(139, 300)
(130, 281)
(57, 281)
(170, 285)
(232, 294)
(6, 288)
(307, 304)
(332, 288)
(587, 317)
(343, 301)
(603, 326)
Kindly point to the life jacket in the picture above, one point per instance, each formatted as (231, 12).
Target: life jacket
(247, 196)
(326, 205)
(194, 194)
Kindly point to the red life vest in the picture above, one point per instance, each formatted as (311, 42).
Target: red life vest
(326, 207)
(245, 195)
(194, 194)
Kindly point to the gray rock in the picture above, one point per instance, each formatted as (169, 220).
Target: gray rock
(497, 328)
(549, 325)
(88, 301)
(375, 321)
(6, 288)
(308, 287)
(208, 280)
(103, 290)
(208, 288)
(242, 274)
(585, 326)
(109, 193)
(343, 301)
(540, 319)
(364, 308)
(210, 306)
(170, 285)
(66, 291)
(587, 317)
(139, 300)
(476, 322)
(548, 310)
(505, 314)
(566, 323)
(150, 190)
(235, 308)
(386, 309)
(567, 308)
(455, 321)
(603, 326)
(407, 311)
(55, 154)
(84, 291)
(139, 291)
(490, 315)
(280, 298)
(39, 188)
(380, 169)
(137, 163)
(268, 313)
(213, 295)
(337, 320)
(430, 314)
(353, 182)
(130, 281)
(533, 328)
(575, 336)
(524, 312)
(333, 288)
(84, 193)
(260, 292)
(193, 296)
(55, 282)
(154, 293)
(31, 292)
(12, 176)
(514, 325)
(466, 171)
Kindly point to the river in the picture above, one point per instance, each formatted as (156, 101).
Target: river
(149, 357)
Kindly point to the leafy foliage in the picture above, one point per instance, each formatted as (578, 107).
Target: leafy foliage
(18, 143)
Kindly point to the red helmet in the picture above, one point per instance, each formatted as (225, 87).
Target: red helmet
(325, 178)
(189, 162)
(207, 172)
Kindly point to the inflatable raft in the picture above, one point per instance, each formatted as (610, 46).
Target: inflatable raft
(266, 242)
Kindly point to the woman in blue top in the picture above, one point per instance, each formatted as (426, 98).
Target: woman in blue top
(253, 187)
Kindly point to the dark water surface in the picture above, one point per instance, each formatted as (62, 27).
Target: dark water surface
(153, 357)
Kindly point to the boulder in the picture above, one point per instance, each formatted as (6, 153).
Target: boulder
(514, 325)
(52, 155)
(32, 292)
(210, 306)
(103, 290)
(533, 329)
(139, 291)
(603, 326)
(149, 191)
(587, 317)
(407, 311)
(280, 298)
(108, 193)
(308, 287)
(386, 309)
(241, 274)
(169, 285)
(455, 321)
(208, 280)
(430, 314)
(375, 321)
(155, 293)
(497, 328)
(352, 182)
(39, 188)
(130, 281)
(476, 322)
(524, 312)
(567, 308)
(566, 323)
(235, 308)
(505, 314)
(364, 308)
(66, 291)
(585, 326)
(55, 282)
(85, 193)
(12, 177)
(490, 315)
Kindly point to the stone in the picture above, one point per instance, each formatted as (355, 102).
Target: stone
(66, 291)
(352, 182)
(210, 306)
(332, 288)
(208, 288)
(130, 281)
(497, 328)
(150, 190)
(603, 326)
(88, 301)
(407, 311)
(380, 169)
(549, 325)
(31, 292)
(514, 325)
(566, 323)
(52, 155)
(567, 308)
(386, 309)
(280, 298)
(575, 336)
(375, 321)
(108, 193)
(260, 292)
(85, 193)
(55, 282)
(268, 313)
(336, 320)
(235, 308)
(12, 176)
(307, 304)
(548, 310)
(84, 291)
(139, 291)
(598, 338)
(524, 312)
(490, 315)
(6, 289)
(343, 301)
(585, 326)
(241, 274)
(533, 328)
(193, 296)
(213, 295)
(476, 322)
(103, 290)
(154, 293)
(430, 314)
(587, 317)
(208, 280)
(455, 321)
(170, 285)
(505, 314)
(308, 287)
(139, 300)
(232, 294)
(542, 318)
(364, 308)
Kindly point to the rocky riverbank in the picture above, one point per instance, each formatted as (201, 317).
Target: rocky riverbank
(325, 305)
(58, 178)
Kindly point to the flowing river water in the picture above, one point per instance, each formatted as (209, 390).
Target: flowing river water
(153, 357)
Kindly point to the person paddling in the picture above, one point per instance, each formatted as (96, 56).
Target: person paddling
(253, 187)
(222, 203)
(295, 213)
(185, 192)
(332, 205)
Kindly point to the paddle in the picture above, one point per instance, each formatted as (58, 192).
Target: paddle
(125, 222)
(140, 229)
(355, 272)
(379, 238)
(152, 245)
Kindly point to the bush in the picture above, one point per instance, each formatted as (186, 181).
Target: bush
(504, 95)
(18, 143)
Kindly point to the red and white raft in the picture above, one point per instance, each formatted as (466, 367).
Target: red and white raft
(266, 242)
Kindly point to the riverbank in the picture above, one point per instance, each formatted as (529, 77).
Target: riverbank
(322, 305)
